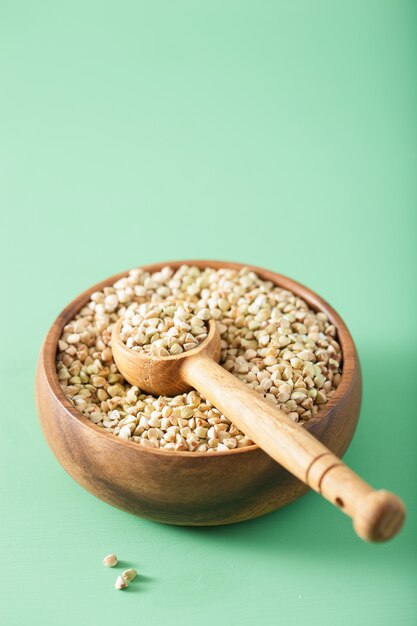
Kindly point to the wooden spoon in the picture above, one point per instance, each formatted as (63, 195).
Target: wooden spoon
(377, 515)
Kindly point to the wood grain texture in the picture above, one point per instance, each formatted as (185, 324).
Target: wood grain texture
(182, 487)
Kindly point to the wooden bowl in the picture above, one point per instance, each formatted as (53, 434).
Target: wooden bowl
(187, 488)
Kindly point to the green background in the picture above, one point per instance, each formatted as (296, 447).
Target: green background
(281, 134)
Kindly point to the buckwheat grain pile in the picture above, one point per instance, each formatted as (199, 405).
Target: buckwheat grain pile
(271, 340)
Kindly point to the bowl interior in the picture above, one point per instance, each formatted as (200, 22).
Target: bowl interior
(314, 301)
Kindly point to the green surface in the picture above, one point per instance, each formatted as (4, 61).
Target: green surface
(278, 134)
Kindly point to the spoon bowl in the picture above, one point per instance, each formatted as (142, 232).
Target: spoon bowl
(162, 376)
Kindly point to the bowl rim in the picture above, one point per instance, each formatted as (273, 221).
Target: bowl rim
(315, 302)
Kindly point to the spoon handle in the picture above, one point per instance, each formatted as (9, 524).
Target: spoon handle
(377, 515)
